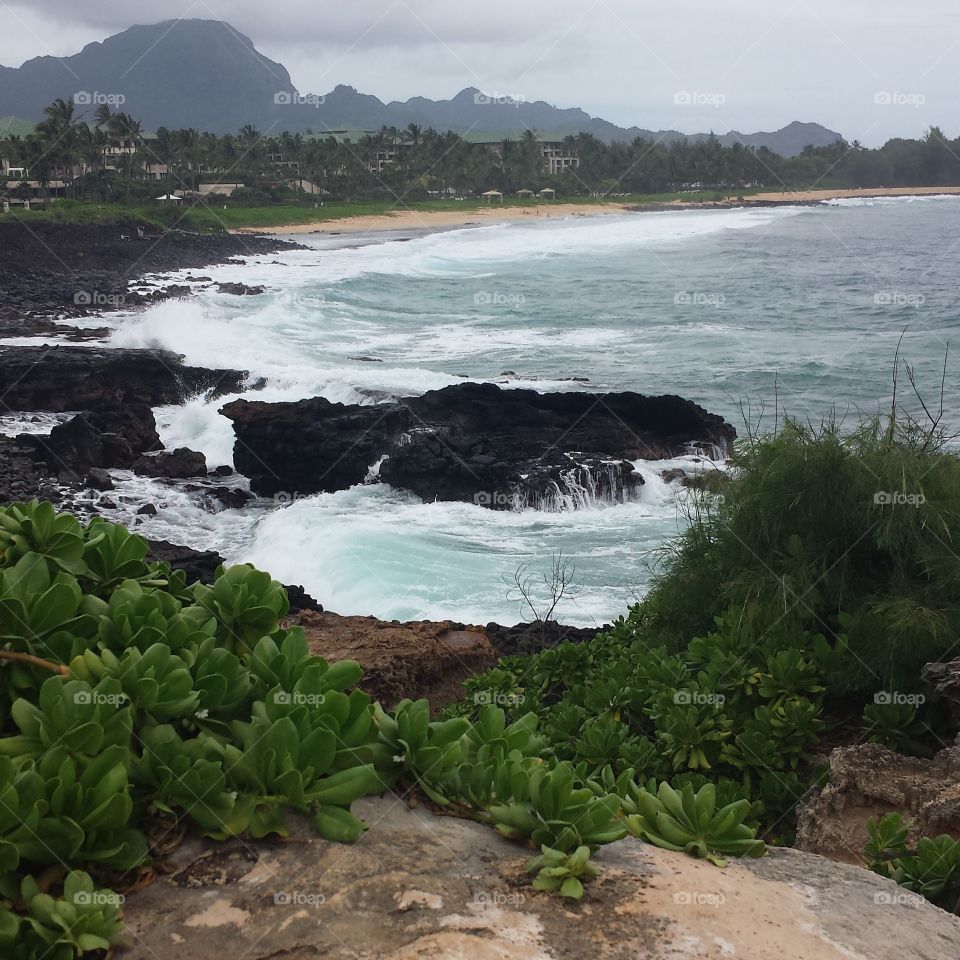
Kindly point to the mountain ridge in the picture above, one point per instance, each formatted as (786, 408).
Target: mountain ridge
(187, 73)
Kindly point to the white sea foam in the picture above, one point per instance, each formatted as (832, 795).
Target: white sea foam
(889, 201)
(588, 297)
(38, 423)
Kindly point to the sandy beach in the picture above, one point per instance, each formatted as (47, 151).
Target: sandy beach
(444, 219)
(439, 219)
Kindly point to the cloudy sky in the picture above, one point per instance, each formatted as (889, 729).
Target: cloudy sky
(871, 69)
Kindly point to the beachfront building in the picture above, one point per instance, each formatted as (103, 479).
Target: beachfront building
(548, 193)
(558, 157)
(492, 195)
(525, 194)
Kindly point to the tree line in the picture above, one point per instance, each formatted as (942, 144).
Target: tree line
(110, 159)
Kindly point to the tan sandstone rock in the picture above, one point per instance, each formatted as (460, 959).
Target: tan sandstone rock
(421, 886)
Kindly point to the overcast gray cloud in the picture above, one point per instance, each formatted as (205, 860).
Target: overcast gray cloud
(871, 70)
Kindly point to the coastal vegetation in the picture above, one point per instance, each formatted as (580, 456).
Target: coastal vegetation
(114, 161)
(816, 578)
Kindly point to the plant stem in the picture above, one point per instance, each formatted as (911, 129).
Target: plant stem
(60, 668)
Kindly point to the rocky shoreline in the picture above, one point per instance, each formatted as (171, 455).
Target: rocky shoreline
(77, 412)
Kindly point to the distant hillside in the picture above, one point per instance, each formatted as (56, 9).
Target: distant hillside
(204, 74)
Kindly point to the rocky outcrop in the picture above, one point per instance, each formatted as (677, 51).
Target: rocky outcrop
(202, 565)
(21, 478)
(421, 887)
(944, 680)
(240, 289)
(524, 638)
(473, 442)
(868, 780)
(312, 445)
(177, 464)
(112, 437)
(417, 659)
(90, 378)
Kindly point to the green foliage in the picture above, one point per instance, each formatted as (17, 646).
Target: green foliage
(83, 920)
(809, 535)
(424, 752)
(690, 822)
(548, 808)
(895, 725)
(563, 872)
(246, 604)
(931, 870)
(127, 696)
(796, 593)
(745, 716)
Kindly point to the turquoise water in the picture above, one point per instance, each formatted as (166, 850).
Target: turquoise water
(801, 307)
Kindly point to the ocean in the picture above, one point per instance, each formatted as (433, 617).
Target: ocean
(747, 312)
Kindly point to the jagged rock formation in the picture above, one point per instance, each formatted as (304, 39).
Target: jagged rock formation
(473, 442)
(88, 378)
(868, 780)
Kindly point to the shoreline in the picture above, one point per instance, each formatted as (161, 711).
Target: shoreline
(440, 219)
(434, 220)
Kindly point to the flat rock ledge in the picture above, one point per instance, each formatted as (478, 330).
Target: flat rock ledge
(423, 887)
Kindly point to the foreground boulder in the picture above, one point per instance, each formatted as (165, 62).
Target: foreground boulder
(90, 378)
(421, 887)
(473, 442)
(868, 780)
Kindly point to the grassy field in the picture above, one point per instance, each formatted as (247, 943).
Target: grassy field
(216, 218)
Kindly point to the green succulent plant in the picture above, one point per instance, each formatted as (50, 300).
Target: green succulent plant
(83, 920)
(547, 808)
(895, 725)
(36, 528)
(246, 603)
(888, 835)
(83, 719)
(691, 823)
(424, 753)
(562, 872)
(790, 675)
(692, 733)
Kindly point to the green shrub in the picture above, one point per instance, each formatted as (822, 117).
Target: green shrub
(847, 535)
(931, 870)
